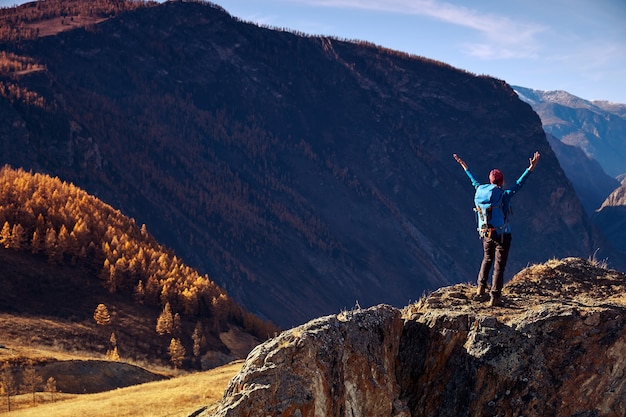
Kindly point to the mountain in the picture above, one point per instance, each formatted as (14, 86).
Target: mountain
(555, 349)
(591, 183)
(611, 217)
(78, 275)
(596, 127)
(595, 131)
(303, 174)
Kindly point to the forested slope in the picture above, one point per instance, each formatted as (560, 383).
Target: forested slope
(103, 255)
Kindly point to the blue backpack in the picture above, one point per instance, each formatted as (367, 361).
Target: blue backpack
(489, 210)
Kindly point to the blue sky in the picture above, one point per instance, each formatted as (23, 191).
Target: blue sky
(574, 45)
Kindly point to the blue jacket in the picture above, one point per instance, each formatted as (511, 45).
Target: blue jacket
(508, 194)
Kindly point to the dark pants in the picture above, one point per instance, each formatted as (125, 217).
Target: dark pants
(498, 249)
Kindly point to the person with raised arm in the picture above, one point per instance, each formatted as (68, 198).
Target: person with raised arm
(492, 205)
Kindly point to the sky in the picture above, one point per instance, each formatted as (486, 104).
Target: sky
(578, 46)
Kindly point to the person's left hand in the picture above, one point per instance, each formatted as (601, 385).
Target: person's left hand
(533, 161)
(460, 161)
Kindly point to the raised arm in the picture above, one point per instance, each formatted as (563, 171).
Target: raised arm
(475, 182)
(522, 179)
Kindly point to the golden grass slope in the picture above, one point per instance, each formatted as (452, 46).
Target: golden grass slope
(179, 396)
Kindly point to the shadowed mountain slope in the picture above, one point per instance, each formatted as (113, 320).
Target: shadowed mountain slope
(611, 217)
(303, 174)
(588, 178)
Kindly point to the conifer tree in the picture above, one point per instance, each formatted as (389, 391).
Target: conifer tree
(51, 387)
(140, 293)
(199, 341)
(177, 353)
(31, 380)
(50, 246)
(101, 315)
(36, 243)
(113, 354)
(5, 235)
(165, 322)
(7, 383)
(39, 235)
(177, 327)
(18, 237)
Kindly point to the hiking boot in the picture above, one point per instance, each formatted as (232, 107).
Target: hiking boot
(496, 301)
(481, 294)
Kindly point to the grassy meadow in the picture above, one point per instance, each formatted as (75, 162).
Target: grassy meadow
(179, 396)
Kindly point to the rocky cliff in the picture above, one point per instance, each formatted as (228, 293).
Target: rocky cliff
(556, 348)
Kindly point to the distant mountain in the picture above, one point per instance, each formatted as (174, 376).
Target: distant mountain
(611, 217)
(596, 127)
(303, 174)
(596, 131)
(591, 183)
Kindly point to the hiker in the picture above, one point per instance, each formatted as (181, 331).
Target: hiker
(492, 203)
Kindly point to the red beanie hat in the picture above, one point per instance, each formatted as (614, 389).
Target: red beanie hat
(496, 177)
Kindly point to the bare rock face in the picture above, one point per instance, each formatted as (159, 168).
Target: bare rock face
(332, 366)
(556, 348)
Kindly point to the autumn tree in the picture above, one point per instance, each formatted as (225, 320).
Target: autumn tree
(36, 242)
(139, 293)
(18, 237)
(7, 383)
(113, 353)
(177, 353)
(199, 341)
(101, 315)
(50, 246)
(31, 380)
(51, 387)
(177, 327)
(5, 235)
(165, 322)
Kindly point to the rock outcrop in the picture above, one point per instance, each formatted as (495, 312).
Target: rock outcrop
(334, 365)
(555, 349)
